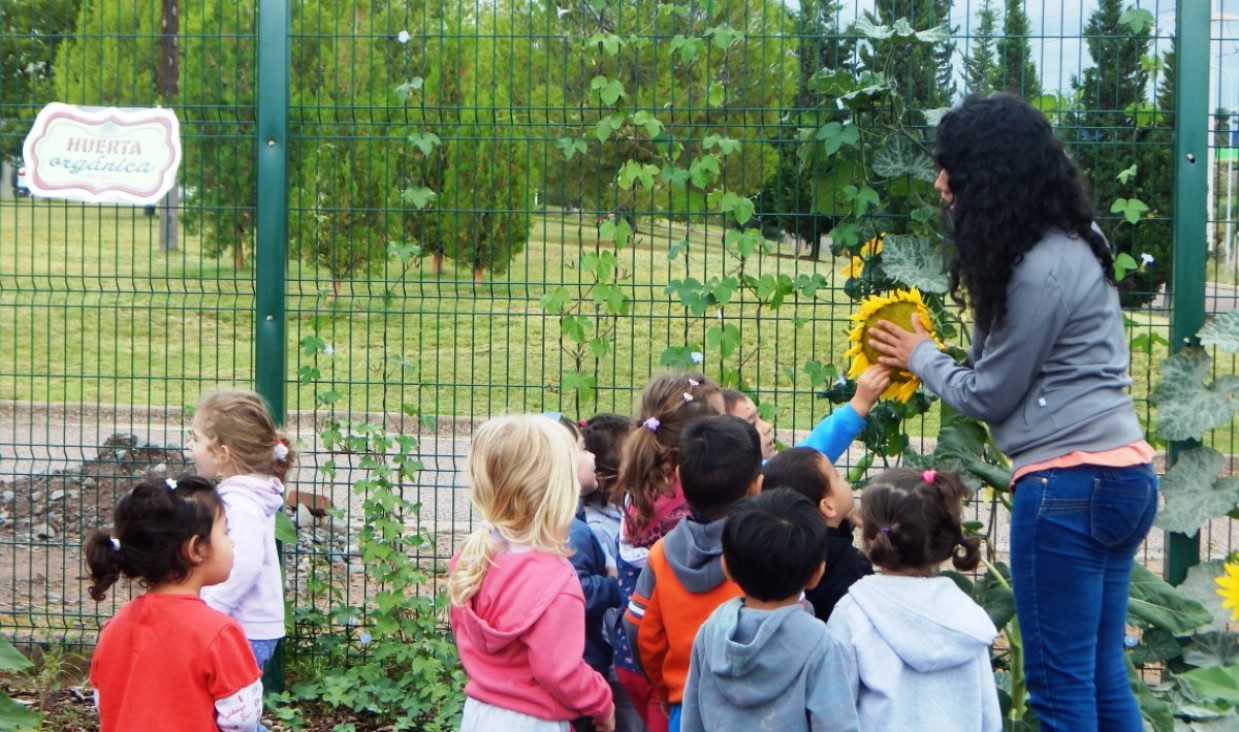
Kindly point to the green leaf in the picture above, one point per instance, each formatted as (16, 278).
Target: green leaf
(723, 36)
(1214, 648)
(687, 46)
(1123, 264)
(284, 530)
(717, 94)
(12, 659)
(581, 383)
(726, 339)
(16, 717)
(900, 157)
(1201, 585)
(1137, 19)
(937, 34)
(607, 125)
(1219, 682)
(1193, 492)
(1131, 208)
(1222, 331)
(820, 373)
(574, 329)
(571, 147)
(865, 197)
(1154, 602)
(633, 171)
(915, 261)
(652, 126)
(554, 301)
(419, 198)
(703, 170)
(1156, 646)
(1186, 407)
(425, 141)
(405, 91)
(725, 145)
(609, 42)
(1126, 175)
(1144, 114)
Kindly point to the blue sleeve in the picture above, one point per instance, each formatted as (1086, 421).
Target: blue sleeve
(601, 590)
(835, 432)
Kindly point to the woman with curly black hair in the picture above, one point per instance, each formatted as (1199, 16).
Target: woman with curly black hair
(1048, 372)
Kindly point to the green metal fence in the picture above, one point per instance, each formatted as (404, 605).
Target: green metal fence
(358, 181)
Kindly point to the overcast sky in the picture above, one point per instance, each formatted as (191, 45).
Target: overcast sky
(1059, 51)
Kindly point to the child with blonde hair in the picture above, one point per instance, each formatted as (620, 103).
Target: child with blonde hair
(517, 610)
(166, 660)
(921, 646)
(652, 499)
(235, 439)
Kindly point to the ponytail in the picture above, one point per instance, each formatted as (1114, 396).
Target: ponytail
(103, 562)
(475, 558)
(913, 520)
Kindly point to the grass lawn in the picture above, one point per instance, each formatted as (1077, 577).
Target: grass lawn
(92, 312)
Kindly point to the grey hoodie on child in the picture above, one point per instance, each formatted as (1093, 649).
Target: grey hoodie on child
(777, 670)
(922, 655)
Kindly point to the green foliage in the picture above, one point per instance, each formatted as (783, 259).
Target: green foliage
(981, 63)
(389, 661)
(485, 203)
(30, 34)
(113, 60)
(1016, 72)
(15, 717)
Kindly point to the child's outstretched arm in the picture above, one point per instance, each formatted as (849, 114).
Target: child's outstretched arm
(836, 431)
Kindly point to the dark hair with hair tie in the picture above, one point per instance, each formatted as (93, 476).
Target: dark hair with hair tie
(910, 524)
(150, 526)
(1012, 182)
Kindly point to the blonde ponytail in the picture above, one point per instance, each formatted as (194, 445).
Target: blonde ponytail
(475, 558)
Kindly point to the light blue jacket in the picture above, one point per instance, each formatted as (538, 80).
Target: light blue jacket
(834, 433)
(775, 670)
(921, 651)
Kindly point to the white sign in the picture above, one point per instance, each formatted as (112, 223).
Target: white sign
(103, 155)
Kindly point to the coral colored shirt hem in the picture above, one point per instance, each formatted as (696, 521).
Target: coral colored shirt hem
(1139, 452)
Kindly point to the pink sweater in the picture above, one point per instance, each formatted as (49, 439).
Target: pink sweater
(521, 640)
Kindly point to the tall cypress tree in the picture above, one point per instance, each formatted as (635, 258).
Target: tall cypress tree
(980, 65)
(1016, 72)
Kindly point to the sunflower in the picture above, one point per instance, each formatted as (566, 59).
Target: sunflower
(898, 308)
(1228, 588)
(867, 251)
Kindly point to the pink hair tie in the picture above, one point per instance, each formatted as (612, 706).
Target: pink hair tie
(929, 475)
(651, 424)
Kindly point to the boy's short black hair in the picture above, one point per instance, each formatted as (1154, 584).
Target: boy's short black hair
(720, 457)
(773, 543)
(798, 468)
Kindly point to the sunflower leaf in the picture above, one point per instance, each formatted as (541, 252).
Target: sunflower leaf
(915, 261)
(1155, 603)
(1222, 331)
(1215, 648)
(1201, 585)
(1194, 494)
(900, 156)
(1186, 406)
(1220, 682)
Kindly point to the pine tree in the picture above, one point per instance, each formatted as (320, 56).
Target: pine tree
(30, 33)
(1016, 72)
(922, 71)
(980, 65)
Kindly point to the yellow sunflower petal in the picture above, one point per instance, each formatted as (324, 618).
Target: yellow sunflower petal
(898, 307)
(1228, 589)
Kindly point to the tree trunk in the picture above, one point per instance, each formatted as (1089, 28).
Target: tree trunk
(479, 274)
(238, 256)
(436, 263)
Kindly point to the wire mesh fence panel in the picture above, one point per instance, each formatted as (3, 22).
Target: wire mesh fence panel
(520, 207)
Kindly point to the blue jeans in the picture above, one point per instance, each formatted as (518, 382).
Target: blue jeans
(1074, 536)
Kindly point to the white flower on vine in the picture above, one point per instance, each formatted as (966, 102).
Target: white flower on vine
(697, 356)
(329, 350)
(1146, 259)
(403, 36)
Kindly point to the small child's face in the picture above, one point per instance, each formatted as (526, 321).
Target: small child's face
(202, 451)
(586, 469)
(838, 502)
(746, 410)
(216, 567)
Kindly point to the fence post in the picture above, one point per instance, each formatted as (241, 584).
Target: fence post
(271, 258)
(1191, 167)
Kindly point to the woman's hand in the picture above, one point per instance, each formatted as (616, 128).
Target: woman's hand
(896, 344)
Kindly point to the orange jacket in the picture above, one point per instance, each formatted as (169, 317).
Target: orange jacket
(664, 617)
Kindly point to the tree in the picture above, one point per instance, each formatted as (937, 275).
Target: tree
(113, 58)
(30, 34)
(1016, 72)
(922, 70)
(1114, 130)
(486, 198)
(980, 65)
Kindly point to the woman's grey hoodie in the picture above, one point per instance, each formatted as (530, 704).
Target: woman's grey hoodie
(921, 649)
(775, 670)
(253, 594)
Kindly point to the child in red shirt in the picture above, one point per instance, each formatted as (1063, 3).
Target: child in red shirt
(166, 660)
(518, 612)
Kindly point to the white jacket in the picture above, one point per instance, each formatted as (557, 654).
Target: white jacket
(922, 655)
(253, 594)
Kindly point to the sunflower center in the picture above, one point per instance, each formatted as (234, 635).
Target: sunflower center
(900, 313)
